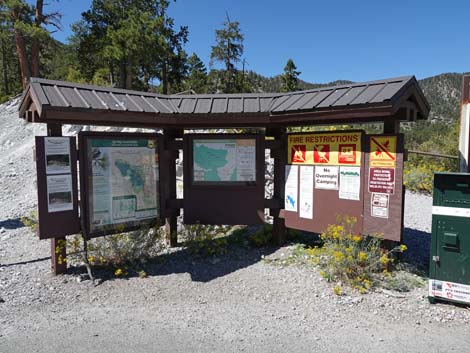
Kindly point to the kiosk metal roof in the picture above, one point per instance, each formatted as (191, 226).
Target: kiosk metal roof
(48, 101)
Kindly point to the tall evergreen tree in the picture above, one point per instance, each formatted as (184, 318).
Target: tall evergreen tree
(228, 50)
(197, 75)
(134, 40)
(290, 80)
(27, 25)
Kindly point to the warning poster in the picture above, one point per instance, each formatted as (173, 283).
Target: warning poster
(383, 151)
(382, 180)
(380, 205)
(336, 148)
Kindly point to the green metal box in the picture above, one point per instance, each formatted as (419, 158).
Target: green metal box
(449, 266)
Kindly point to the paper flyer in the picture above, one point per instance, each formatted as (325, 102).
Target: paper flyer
(349, 183)
(59, 193)
(57, 150)
(306, 192)
(291, 190)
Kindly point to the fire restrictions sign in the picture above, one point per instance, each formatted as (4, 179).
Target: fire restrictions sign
(338, 148)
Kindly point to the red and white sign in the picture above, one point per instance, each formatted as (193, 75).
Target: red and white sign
(382, 180)
(347, 154)
(299, 153)
(321, 154)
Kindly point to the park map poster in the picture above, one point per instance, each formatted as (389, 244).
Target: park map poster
(224, 160)
(124, 179)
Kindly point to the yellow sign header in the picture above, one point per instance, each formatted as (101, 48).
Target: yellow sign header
(338, 148)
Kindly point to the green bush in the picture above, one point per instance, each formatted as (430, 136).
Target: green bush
(351, 259)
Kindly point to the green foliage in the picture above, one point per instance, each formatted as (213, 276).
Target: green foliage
(262, 236)
(345, 258)
(197, 75)
(434, 137)
(134, 40)
(130, 249)
(205, 240)
(290, 81)
(228, 50)
(31, 221)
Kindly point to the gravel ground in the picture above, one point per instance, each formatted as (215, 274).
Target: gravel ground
(233, 303)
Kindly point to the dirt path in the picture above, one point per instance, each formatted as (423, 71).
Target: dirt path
(239, 303)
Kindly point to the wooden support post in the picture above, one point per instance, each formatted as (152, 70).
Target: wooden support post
(58, 248)
(279, 228)
(171, 215)
(391, 127)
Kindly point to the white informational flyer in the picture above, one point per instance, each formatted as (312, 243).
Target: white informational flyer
(306, 192)
(291, 190)
(379, 205)
(326, 177)
(59, 193)
(349, 183)
(57, 150)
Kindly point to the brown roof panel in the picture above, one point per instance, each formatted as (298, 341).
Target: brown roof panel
(73, 98)
(332, 98)
(235, 105)
(187, 105)
(127, 102)
(286, 105)
(306, 97)
(219, 105)
(251, 105)
(53, 97)
(369, 93)
(92, 99)
(316, 100)
(349, 96)
(203, 105)
(387, 92)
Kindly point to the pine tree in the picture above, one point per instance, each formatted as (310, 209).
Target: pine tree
(197, 77)
(228, 50)
(134, 40)
(30, 36)
(290, 79)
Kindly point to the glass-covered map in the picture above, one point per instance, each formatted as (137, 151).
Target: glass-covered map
(217, 160)
(124, 180)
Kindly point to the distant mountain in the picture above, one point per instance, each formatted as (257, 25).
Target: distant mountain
(443, 94)
(442, 91)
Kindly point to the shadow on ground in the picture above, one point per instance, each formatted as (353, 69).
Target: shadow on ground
(419, 247)
(14, 223)
(239, 254)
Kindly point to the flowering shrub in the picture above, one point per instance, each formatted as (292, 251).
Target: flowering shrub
(349, 258)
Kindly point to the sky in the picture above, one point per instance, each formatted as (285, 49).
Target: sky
(357, 40)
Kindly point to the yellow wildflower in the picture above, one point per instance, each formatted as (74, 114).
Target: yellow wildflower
(118, 272)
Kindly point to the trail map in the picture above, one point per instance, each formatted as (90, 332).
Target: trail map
(224, 160)
(124, 180)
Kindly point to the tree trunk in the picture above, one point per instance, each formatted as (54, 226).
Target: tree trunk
(122, 75)
(164, 77)
(21, 52)
(129, 72)
(5, 68)
(35, 44)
